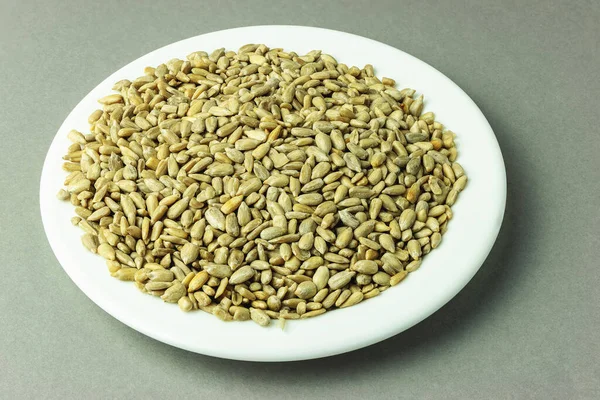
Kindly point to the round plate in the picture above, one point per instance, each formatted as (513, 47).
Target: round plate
(445, 271)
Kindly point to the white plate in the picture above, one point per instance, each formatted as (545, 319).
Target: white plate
(477, 216)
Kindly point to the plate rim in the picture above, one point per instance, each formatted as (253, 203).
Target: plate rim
(254, 356)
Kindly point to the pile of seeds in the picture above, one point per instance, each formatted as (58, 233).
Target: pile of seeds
(262, 184)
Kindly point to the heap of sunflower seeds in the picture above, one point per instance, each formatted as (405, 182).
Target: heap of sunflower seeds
(262, 184)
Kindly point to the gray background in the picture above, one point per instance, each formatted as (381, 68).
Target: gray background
(527, 326)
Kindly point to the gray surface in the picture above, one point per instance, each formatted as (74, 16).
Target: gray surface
(527, 326)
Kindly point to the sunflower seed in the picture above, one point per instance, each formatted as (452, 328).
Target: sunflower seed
(189, 253)
(185, 304)
(215, 218)
(313, 313)
(231, 205)
(306, 290)
(414, 249)
(354, 298)
(413, 266)
(90, 241)
(381, 278)
(218, 270)
(399, 277)
(340, 279)
(460, 183)
(361, 192)
(260, 317)
(407, 218)
(174, 293)
(125, 274)
(106, 251)
(220, 313)
(241, 275)
(198, 281)
(368, 267)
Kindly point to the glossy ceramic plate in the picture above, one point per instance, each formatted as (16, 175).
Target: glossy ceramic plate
(445, 271)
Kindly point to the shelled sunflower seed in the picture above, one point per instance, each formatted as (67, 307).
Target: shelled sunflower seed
(262, 184)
